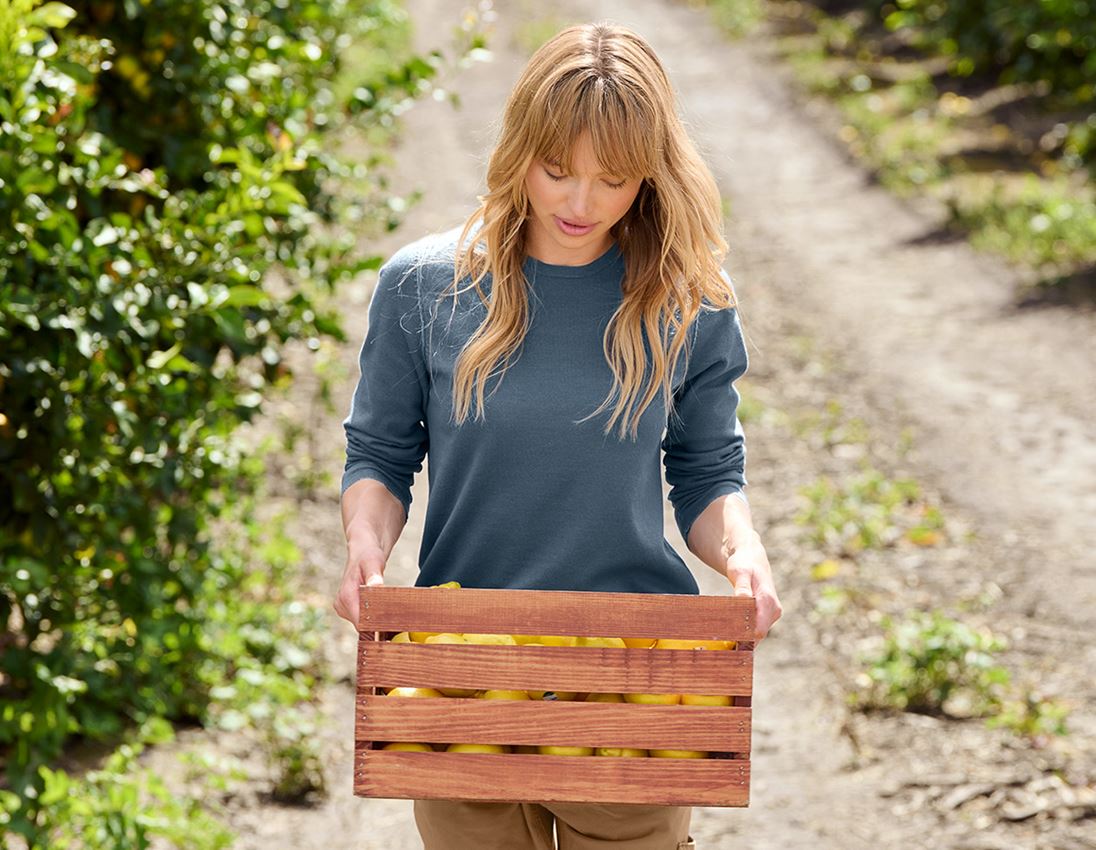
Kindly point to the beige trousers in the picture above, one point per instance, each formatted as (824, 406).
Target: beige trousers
(457, 825)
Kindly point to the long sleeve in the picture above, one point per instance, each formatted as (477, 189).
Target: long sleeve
(705, 449)
(386, 438)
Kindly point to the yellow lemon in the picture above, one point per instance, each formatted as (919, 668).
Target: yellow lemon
(621, 752)
(678, 754)
(676, 643)
(407, 747)
(604, 698)
(490, 640)
(420, 637)
(454, 584)
(522, 640)
(414, 692)
(602, 641)
(558, 640)
(639, 643)
(653, 699)
(477, 748)
(444, 637)
(501, 694)
(565, 751)
(402, 637)
(705, 699)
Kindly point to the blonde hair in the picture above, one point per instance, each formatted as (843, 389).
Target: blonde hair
(604, 79)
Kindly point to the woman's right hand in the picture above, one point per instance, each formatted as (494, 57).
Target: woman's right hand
(364, 565)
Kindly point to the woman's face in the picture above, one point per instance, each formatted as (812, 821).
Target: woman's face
(572, 213)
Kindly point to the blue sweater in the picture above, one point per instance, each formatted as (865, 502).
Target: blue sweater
(527, 498)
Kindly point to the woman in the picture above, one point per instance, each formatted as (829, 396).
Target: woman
(587, 290)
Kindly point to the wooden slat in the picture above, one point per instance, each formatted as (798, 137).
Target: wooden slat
(452, 720)
(556, 612)
(582, 669)
(537, 778)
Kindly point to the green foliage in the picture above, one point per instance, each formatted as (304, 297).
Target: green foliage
(1032, 716)
(122, 806)
(264, 668)
(870, 511)
(1007, 161)
(927, 660)
(166, 229)
(1052, 42)
(251, 73)
(1057, 220)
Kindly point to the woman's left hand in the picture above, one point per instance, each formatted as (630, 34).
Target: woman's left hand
(748, 570)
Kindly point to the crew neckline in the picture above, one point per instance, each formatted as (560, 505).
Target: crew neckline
(539, 268)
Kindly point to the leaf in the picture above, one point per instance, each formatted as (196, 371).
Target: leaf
(56, 15)
(159, 359)
(245, 296)
(78, 72)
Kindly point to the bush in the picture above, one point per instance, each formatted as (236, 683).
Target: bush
(1052, 42)
(164, 231)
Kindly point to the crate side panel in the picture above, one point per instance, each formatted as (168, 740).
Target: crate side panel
(582, 669)
(557, 612)
(532, 723)
(537, 778)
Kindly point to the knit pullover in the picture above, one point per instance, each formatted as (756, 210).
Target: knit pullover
(529, 497)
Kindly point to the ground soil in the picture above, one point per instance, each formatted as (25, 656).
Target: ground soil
(848, 296)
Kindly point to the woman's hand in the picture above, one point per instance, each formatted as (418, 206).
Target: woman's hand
(748, 570)
(364, 565)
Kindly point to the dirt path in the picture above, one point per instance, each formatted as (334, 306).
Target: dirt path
(906, 330)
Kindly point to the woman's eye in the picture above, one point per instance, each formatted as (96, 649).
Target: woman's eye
(611, 185)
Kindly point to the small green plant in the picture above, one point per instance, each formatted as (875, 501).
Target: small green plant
(1032, 716)
(932, 664)
(292, 750)
(871, 511)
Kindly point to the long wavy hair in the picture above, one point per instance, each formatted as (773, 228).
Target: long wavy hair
(604, 79)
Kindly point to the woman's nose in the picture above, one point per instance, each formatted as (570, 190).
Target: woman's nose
(580, 199)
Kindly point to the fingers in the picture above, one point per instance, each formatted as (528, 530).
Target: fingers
(346, 603)
(367, 569)
(768, 612)
(743, 584)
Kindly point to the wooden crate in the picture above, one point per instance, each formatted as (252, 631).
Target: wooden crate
(724, 731)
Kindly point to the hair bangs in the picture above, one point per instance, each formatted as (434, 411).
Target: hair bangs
(620, 131)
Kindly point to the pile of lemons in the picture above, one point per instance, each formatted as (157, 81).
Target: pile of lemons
(566, 696)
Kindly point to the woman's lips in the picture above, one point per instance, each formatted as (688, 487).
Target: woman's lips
(572, 229)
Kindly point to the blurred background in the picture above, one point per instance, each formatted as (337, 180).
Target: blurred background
(194, 199)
